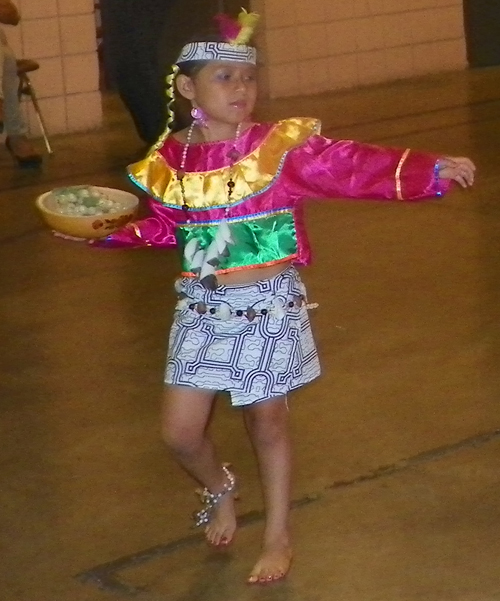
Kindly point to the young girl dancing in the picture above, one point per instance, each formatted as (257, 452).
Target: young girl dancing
(228, 192)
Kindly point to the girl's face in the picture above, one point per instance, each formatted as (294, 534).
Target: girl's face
(225, 91)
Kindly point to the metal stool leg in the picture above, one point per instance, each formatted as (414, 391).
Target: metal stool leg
(26, 88)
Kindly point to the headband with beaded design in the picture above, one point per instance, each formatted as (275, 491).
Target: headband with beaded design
(235, 35)
(217, 51)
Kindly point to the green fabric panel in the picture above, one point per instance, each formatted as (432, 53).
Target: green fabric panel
(256, 241)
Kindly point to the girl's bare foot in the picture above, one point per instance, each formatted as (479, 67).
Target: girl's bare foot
(220, 531)
(274, 562)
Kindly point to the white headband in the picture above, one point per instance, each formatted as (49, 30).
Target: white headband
(217, 51)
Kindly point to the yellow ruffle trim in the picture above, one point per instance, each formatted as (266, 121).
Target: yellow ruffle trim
(208, 189)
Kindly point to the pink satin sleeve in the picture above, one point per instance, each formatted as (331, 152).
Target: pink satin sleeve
(324, 168)
(157, 230)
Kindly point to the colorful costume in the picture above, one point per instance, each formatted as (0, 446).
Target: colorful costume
(255, 340)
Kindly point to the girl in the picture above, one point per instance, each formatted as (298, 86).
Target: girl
(227, 192)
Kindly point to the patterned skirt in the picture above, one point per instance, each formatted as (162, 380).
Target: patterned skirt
(252, 340)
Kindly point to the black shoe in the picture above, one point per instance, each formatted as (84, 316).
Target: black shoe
(27, 162)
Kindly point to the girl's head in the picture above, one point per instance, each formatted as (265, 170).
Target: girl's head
(225, 91)
(218, 73)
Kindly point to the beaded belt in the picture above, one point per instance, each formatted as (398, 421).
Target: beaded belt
(224, 311)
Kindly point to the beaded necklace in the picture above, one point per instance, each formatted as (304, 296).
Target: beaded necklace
(233, 154)
(204, 261)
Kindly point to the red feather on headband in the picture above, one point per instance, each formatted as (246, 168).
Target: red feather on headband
(240, 31)
(229, 28)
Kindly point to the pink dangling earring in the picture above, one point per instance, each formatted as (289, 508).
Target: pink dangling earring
(199, 117)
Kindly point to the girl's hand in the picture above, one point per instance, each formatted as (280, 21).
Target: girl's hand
(460, 169)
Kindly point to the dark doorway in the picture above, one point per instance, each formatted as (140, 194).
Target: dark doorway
(482, 27)
(140, 41)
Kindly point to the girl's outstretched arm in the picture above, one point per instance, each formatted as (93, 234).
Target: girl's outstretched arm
(325, 168)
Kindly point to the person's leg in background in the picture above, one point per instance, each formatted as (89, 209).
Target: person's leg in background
(3, 45)
(131, 36)
(16, 141)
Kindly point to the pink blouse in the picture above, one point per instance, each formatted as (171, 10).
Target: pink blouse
(282, 165)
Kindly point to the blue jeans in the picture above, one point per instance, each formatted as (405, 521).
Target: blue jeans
(14, 124)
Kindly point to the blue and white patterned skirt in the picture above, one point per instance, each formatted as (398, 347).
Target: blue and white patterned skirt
(252, 340)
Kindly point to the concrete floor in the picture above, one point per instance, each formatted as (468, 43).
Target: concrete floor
(397, 445)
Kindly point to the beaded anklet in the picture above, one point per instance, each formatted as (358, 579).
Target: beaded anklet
(210, 499)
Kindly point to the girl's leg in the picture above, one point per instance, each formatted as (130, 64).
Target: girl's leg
(185, 418)
(267, 425)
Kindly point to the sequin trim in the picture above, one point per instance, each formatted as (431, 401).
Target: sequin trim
(399, 190)
(437, 183)
(239, 219)
(288, 259)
